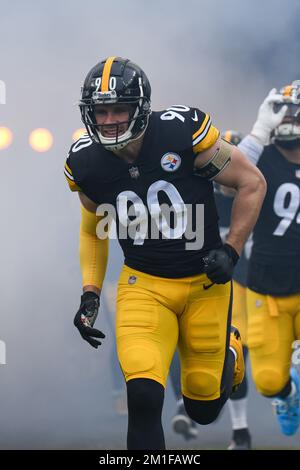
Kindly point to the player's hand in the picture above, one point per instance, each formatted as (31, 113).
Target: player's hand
(86, 316)
(219, 264)
(267, 118)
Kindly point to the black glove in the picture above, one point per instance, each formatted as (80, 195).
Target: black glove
(86, 316)
(219, 264)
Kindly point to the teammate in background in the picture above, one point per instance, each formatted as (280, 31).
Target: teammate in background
(273, 294)
(174, 287)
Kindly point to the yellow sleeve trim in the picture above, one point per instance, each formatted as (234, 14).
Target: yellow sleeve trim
(209, 140)
(68, 169)
(72, 185)
(93, 252)
(202, 127)
(69, 176)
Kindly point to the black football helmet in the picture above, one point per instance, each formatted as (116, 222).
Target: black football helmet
(233, 137)
(288, 130)
(116, 80)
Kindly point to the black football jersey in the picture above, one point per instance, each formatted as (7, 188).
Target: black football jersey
(224, 206)
(161, 176)
(275, 259)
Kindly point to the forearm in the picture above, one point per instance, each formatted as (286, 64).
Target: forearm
(245, 211)
(251, 148)
(93, 253)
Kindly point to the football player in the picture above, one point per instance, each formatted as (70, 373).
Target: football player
(153, 172)
(273, 294)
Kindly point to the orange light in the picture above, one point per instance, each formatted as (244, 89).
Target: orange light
(78, 133)
(41, 140)
(6, 137)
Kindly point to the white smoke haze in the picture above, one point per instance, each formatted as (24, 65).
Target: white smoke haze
(223, 57)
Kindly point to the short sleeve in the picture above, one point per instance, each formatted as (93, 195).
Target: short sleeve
(69, 176)
(204, 134)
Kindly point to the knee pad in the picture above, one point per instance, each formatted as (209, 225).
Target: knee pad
(202, 383)
(242, 391)
(269, 381)
(136, 359)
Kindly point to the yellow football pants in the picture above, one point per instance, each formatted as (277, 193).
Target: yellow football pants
(155, 313)
(273, 325)
(239, 310)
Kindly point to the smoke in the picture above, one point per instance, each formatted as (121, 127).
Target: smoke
(220, 56)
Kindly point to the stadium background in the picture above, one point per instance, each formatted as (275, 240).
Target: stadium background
(221, 56)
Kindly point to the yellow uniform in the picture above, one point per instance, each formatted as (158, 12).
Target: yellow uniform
(149, 320)
(274, 323)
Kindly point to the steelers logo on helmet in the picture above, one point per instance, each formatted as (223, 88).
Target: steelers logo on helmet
(170, 161)
(231, 136)
(114, 81)
(287, 134)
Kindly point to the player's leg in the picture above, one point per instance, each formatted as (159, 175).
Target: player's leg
(288, 407)
(270, 337)
(181, 422)
(145, 399)
(241, 438)
(210, 352)
(147, 333)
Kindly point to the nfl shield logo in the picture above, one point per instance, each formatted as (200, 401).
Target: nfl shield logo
(134, 172)
(297, 173)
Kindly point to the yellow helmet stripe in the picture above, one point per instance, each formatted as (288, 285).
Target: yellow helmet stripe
(287, 90)
(106, 73)
(202, 127)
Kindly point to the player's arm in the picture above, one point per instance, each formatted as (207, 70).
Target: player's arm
(93, 251)
(252, 145)
(225, 164)
(93, 260)
(267, 120)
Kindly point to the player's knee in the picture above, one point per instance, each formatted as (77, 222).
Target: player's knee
(136, 360)
(145, 395)
(202, 384)
(202, 412)
(269, 381)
